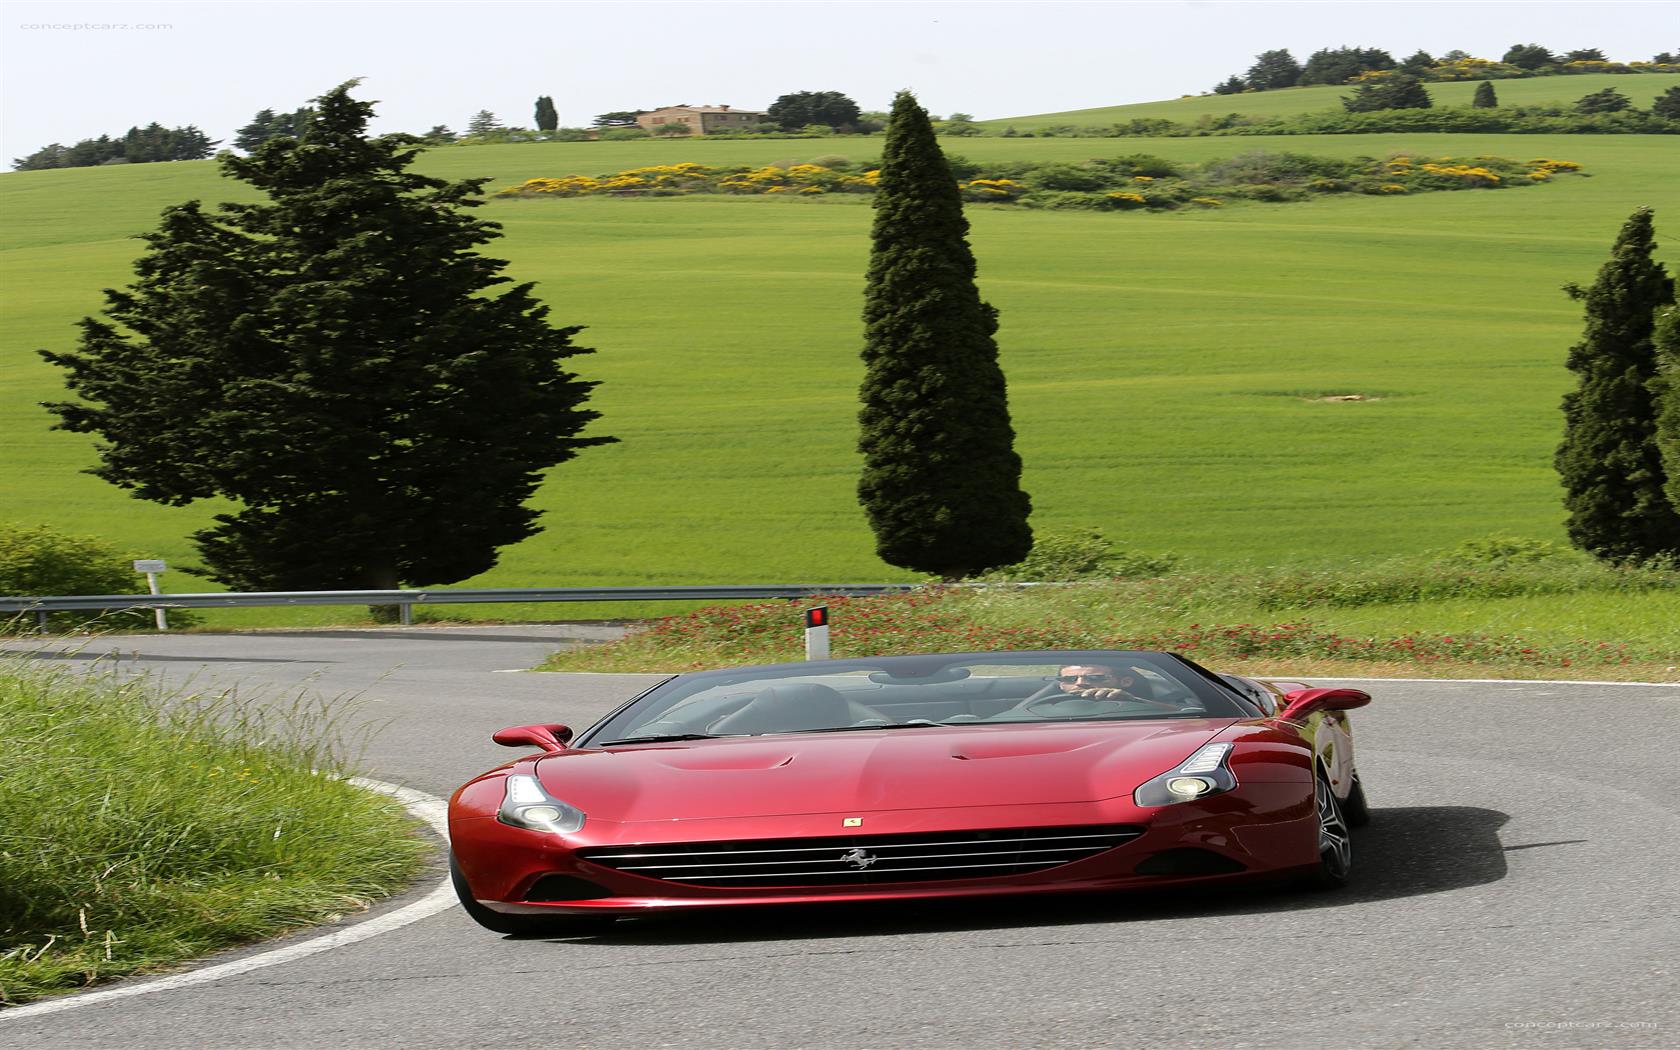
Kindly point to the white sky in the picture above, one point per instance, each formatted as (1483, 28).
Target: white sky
(74, 70)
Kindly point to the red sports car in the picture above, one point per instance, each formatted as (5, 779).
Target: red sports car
(947, 775)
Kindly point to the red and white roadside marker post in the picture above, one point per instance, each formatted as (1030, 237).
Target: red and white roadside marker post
(816, 633)
(151, 567)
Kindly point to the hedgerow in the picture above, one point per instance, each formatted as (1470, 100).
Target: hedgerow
(1125, 183)
(1507, 120)
(1268, 614)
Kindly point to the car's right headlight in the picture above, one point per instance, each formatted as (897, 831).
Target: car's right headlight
(1205, 773)
(525, 804)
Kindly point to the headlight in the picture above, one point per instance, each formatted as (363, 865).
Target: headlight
(526, 805)
(1203, 774)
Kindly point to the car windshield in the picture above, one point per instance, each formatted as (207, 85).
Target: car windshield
(919, 692)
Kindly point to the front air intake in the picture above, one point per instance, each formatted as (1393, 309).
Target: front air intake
(864, 860)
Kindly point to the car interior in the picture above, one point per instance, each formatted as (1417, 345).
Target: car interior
(861, 700)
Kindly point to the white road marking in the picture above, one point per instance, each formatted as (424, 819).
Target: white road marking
(429, 808)
(1486, 681)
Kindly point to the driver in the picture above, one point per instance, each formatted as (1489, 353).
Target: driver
(1093, 681)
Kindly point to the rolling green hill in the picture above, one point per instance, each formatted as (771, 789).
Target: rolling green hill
(1288, 102)
(1165, 369)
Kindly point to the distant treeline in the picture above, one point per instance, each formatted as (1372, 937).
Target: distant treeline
(1512, 120)
(1344, 65)
(153, 142)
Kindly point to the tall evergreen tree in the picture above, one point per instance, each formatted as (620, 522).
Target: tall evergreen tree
(1272, 70)
(546, 117)
(1612, 472)
(334, 361)
(1341, 64)
(1485, 98)
(1417, 62)
(1528, 56)
(1665, 388)
(483, 122)
(941, 482)
(800, 108)
(254, 134)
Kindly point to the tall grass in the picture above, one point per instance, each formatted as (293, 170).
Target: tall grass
(138, 829)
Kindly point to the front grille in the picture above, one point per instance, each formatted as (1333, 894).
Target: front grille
(864, 860)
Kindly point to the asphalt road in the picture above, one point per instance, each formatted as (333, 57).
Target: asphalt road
(1517, 888)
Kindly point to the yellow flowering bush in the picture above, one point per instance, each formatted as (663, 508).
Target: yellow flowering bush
(1472, 176)
(1113, 184)
(993, 189)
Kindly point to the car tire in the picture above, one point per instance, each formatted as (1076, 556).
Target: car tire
(1355, 810)
(1335, 843)
(522, 925)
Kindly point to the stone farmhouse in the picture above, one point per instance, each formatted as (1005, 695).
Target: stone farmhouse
(702, 120)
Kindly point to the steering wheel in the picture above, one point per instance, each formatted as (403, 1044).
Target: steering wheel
(1047, 703)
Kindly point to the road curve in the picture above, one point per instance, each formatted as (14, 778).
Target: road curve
(1515, 889)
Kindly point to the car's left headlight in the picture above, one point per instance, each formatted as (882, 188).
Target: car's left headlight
(1205, 773)
(525, 804)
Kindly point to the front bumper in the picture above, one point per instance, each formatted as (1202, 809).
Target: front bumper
(1257, 829)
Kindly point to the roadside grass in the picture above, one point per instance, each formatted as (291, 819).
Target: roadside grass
(141, 829)
(1165, 370)
(1418, 618)
(1642, 88)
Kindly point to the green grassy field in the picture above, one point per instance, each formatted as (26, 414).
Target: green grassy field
(1289, 102)
(1164, 368)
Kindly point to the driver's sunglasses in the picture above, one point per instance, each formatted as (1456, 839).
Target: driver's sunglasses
(1082, 677)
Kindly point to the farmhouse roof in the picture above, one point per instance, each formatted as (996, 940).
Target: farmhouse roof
(704, 109)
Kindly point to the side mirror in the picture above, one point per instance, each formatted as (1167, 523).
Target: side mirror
(550, 737)
(1302, 703)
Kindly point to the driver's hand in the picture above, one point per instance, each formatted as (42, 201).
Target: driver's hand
(1107, 693)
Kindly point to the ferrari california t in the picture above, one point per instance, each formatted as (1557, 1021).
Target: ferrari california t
(948, 775)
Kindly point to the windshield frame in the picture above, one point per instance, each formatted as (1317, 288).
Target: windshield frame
(1221, 699)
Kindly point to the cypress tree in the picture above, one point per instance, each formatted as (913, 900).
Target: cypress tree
(339, 362)
(547, 119)
(1611, 470)
(1665, 388)
(941, 482)
(1485, 98)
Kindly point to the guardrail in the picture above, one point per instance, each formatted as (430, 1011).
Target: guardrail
(407, 599)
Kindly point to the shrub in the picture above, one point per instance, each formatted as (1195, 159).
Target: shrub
(38, 561)
(1607, 101)
(1083, 554)
(1502, 549)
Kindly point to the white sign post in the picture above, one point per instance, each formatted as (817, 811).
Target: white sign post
(816, 633)
(151, 567)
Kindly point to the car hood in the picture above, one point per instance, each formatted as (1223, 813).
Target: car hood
(790, 774)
